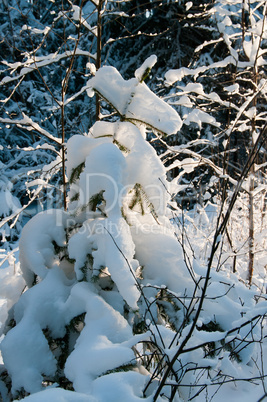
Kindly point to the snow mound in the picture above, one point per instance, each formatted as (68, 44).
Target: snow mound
(37, 252)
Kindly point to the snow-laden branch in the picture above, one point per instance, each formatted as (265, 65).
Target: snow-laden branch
(245, 105)
(197, 160)
(4, 101)
(20, 210)
(30, 125)
(37, 62)
(177, 75)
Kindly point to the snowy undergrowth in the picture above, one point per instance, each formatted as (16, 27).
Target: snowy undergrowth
(111, 311)
(197, 228)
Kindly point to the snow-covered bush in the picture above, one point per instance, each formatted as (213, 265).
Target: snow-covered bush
(112, 310)
(87, 263)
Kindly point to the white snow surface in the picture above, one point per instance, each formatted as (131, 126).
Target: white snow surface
(105, 342)
(25, 349)
(110, 243)
(11, 286)
(58, 395)
(36, 242)
(100, 345)
(78, 148)
(114, 388)
(108, 176)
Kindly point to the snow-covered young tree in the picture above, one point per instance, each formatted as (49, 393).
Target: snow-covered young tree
(111, 311)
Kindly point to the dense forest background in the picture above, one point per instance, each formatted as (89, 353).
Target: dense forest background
(206, 60)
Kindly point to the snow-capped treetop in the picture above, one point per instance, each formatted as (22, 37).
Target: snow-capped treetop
(134, 101)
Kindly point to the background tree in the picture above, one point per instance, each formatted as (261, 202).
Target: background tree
(221, 94)
(44, 98)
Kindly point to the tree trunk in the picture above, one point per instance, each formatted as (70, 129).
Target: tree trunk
(251, 231)
(99, 48)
